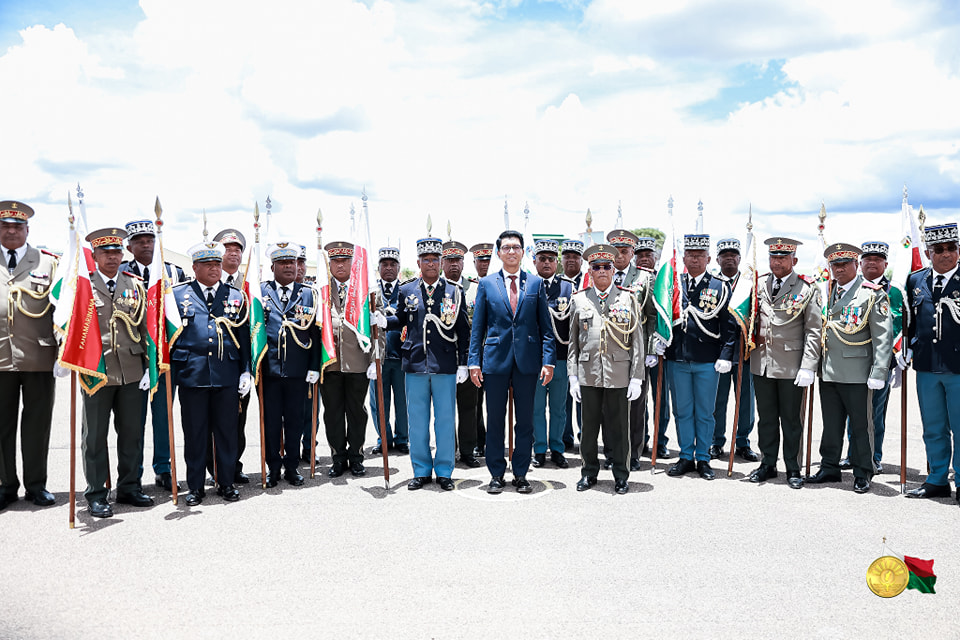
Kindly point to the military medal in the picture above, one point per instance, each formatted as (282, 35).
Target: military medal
(887, 576)
(708, 299)
(447, 308)
(562, 304)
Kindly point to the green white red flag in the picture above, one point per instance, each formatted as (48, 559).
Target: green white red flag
(328, 349)
(357, 305)
(909, 257)
(666, 290)
(252, 288)
(163, 316)
(743, 299)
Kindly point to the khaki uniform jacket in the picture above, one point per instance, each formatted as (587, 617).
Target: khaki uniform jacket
(788, 329)
(857, 340)
(606, 342)
(642, 287)
(469, 296)
(27, 343)
(124, 338)
(350, 356)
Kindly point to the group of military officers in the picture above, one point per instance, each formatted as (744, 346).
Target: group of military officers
(560, 348)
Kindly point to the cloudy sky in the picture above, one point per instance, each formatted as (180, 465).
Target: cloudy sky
(448, 108)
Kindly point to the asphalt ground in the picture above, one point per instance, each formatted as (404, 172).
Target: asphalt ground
(675, 557)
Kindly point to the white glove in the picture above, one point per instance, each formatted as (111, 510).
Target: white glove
(379, 319)
(635, 390)
(246, 383)
(876, 385)
(904, 356)
(574, 388)
(804, 378)
(462, 374)
(60, 372)
(659, 346)
(372, 371)
(722, 366)
(145, 381)
(651, 361)
(313, 377)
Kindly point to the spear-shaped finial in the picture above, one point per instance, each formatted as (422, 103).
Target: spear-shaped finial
(158, 211)
(670, 206)
(904, 193)
(429, 225)
(506, 214)
(619, 214)
(269, 205)
(204, 216)
(823, 217)
(449, 229)
(922, 219)
(750, 218)
(70, 210)
(79, 194)
(589, 221)
(526, 211)
(256, 222)
(319, 229)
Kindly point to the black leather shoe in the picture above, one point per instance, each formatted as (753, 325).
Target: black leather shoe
(336, 470)
(445, 483)
(271, 480)
(634, 464)
(403, 448)
(703, 468)
(135, 498)
(585, 483)
(194, 498)
(794, 480)
(557, 458)
(845, 464)
(663, 453)
(861, 485)
(620, 486)
(746, 453)
(7, 499)
(100, 509)
(164, 481)
(377, 451)
(229, 493)
(607, 463)
(470, 461)
(762, 473)
(683, 466)
(877, 467)
(520, 482)
(539, 459)
(715, 452)
(241, 478)
(356, 469)
(496, 485)
(822, 476)
(930, 491)
(42, 498)
(479, 451)
(419, 482)
(294, 477)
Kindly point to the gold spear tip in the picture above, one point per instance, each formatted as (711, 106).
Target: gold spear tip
(429, 224)
(157, 209)
(256, 211)
(319, 217)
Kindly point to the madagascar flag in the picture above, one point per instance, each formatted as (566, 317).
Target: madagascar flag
(922, 577)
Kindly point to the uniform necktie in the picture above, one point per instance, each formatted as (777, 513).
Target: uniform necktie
(230, 280)
(938, 286)
(284, 295)
(387, 289)
(342, 292)
(209, 296)
(12, 262)
(112, 286)
(692, 288)
(430, 290)
(146, 275)
(514, 294)
(837, 294)
(618, 280)
(776, 287)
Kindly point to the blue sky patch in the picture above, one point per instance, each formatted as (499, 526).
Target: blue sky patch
(85, 17)
(746, 83)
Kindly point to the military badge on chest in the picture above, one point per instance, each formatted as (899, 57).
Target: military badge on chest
(448, 309)
(793, 304)
(620, 313)
(412, 303)
(850, 316)
(231, 308)
(302, 313)
(708, 299)
(562, 304)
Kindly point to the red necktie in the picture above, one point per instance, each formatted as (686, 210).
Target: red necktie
(513, 294)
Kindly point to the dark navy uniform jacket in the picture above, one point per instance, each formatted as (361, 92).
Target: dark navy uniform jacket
(291, 351)
(693, 343)
(934, 351)
(174, 273)
(429, 347)
(392, 352)
(559, 294)
(202, 357)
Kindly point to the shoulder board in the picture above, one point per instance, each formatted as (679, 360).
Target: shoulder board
(408, 280)
(919, 270)
(622, 288)
(647, 269)
(50, 253)
(472, 279)
(133, 275)
(565, 278)
(719, 276)
(870, 285)
(182, 284)
(455, 284)
(806, 278)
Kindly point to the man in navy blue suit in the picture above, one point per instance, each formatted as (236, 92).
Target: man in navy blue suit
(511, 345)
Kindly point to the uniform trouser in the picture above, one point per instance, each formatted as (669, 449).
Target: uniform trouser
(840, 402)
(308, 417)
(282, 413)
(638, 428)
(693, 390)
(344, 416)
(726, 384)
(241, 436)
(36, 388)
(161, 427)
(481, 423)
(880, 399)
(939, 396)
(555, 394)
(568, 427)
(438, 390)
(392, 376)
(125, 402)
(208, 417)
(779, 407)
(605, 408)
(467, 398)
(664, 420)
(496, 387)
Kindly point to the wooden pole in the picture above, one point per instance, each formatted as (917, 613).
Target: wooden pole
(263, 443)
(315, 389)
(736, 406)
(381, 410)
(803, 415)
(903, 430)
(656, 416)
(510, 422)
(73, 448)
(173, 452)
(809, 425)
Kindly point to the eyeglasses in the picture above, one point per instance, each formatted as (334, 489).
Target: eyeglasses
(606, 266)
(944, 248)
(546, 258)
(511, 248)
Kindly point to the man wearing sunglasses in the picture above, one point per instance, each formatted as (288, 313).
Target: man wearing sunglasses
(511, 345)
(933, 296)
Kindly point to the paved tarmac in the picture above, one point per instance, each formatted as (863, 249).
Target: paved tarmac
(675, 557)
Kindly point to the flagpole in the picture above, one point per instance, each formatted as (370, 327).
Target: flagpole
(744, 343)
(73, 447)
(736, 406)
(375, 339)
(316, 386)
(263, 442)
(161, 320)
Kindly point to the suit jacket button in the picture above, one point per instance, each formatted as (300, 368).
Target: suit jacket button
(209, 339)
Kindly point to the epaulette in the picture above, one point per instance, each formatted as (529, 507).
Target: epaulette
(919, 270)
(563, 277)
(408, 280)
(50, 253)
(870, 285)
(472, 279)
(622, 288)
(180, 284)
(133, 275)
(647, 269)
(806, 278)
(720, 277)
(456, 284)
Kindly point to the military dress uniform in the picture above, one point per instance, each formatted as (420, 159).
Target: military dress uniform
(158, 405)
(121, 313)
(391, 372)
(787, 338)
(642, 288)
(933, 331)
(646, 243)
(857, 344)
(434, 352)
(475, 430)
(210, 357)
(572, 246)
(28, 350)
(605, 356)
(293, 350)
